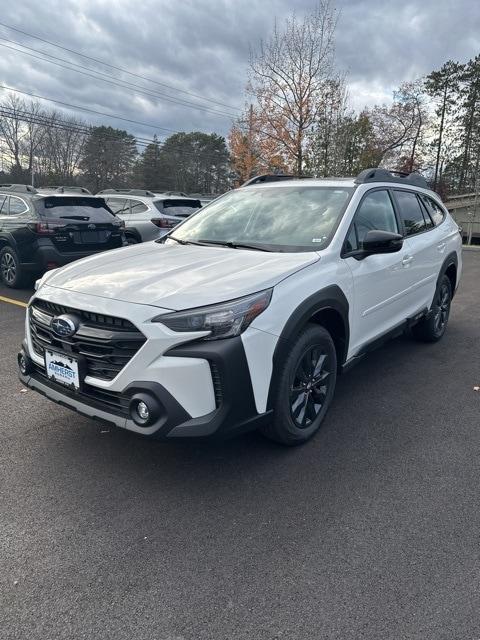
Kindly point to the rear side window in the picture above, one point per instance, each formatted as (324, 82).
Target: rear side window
(119, 205)
(74, 208)
(3, 205)
(410, 212)
(17, 206)
(138, 207)
(436, 212)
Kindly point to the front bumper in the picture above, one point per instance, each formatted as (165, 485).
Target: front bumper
(235, 410)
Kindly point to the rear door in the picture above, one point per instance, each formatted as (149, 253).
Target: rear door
(79, 223)
(424, 259)
(141, 219)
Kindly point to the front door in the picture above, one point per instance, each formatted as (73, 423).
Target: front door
(380, 287)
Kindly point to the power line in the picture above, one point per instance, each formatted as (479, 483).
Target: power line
(106, 64)
(120, 83)
(29, 118)
(75, 106)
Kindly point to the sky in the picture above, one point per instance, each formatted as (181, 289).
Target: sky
(202, 47)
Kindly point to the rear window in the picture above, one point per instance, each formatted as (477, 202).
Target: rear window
(181, 208)
(74, 208)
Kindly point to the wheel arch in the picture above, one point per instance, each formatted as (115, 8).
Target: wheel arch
(450, 269)
(7, 240)
(329, 308)
(132, 231)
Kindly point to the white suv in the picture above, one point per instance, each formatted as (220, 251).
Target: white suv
(148, 215)
(245, 313)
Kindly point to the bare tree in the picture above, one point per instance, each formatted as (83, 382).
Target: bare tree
(12, 129)
(288, 77)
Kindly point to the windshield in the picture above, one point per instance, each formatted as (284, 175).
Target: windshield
(91, 209)
(279, 218)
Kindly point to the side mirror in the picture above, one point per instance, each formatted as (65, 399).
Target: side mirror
(381, 242)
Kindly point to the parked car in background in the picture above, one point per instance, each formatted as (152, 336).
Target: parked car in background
(148, 216)
(40, 232)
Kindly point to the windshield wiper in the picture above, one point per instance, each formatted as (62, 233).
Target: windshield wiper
(179, 240)
(235, 245)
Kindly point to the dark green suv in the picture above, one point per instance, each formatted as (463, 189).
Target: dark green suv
(40, 232)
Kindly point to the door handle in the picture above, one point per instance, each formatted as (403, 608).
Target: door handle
(407, 260)
(441, 246)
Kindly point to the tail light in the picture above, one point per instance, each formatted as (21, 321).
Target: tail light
(46, 228)
(164, 223)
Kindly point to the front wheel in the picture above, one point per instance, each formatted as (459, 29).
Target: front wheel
(433, 326)
(304, 388)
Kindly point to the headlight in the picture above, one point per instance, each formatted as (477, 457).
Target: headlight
(43, 279)
(223, 320)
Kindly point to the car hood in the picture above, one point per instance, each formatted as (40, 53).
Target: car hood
(178, 276)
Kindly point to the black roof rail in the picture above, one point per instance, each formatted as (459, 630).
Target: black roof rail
(385, 175)
(18, 188)
(67, 189)
(130, 192)
(268, 177)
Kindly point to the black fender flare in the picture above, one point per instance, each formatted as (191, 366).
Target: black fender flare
(452, 258)
(131, 231)
(331, 297)
(7, 240)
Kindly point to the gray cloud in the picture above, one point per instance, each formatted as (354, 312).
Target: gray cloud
(203, 47)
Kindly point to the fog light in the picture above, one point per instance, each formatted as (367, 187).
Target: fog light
(24, 363)
(143, 411)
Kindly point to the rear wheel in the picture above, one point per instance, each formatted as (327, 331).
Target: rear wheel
(11, 271)
(131, 239)
(304, 389)
(433, 326)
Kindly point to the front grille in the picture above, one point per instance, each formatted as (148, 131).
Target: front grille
(104, 399)
(105, 343)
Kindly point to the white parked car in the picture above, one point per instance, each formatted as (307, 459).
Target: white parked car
(243, 316)
(147, 215)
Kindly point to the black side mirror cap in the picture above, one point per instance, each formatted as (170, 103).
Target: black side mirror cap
(377, 241)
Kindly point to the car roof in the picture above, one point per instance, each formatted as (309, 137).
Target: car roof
(340, 182)
(158, 196)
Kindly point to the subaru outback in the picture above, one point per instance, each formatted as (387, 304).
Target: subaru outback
(265, 295)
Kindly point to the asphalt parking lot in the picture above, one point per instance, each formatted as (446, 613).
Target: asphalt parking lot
(372, 530)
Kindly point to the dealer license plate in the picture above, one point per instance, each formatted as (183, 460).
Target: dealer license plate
(62, 369)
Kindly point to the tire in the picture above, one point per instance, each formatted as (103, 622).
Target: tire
(131, 240)
(432, 327)
(299, 406)
(11, 271)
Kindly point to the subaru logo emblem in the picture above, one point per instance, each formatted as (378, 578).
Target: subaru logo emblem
(64, 326)
(92, 226)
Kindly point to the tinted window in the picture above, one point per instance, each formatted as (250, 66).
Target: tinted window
(435, 211)
(3, 205)
(410, 212)
(181, 208)
(75, 208)
(290, 218)
(138, 207)
(375, 213)
(17, 206)
(119, 205)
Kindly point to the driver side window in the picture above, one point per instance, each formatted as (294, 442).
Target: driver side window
(374, 213)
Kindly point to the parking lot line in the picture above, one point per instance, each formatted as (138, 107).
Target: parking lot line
(12, 301)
